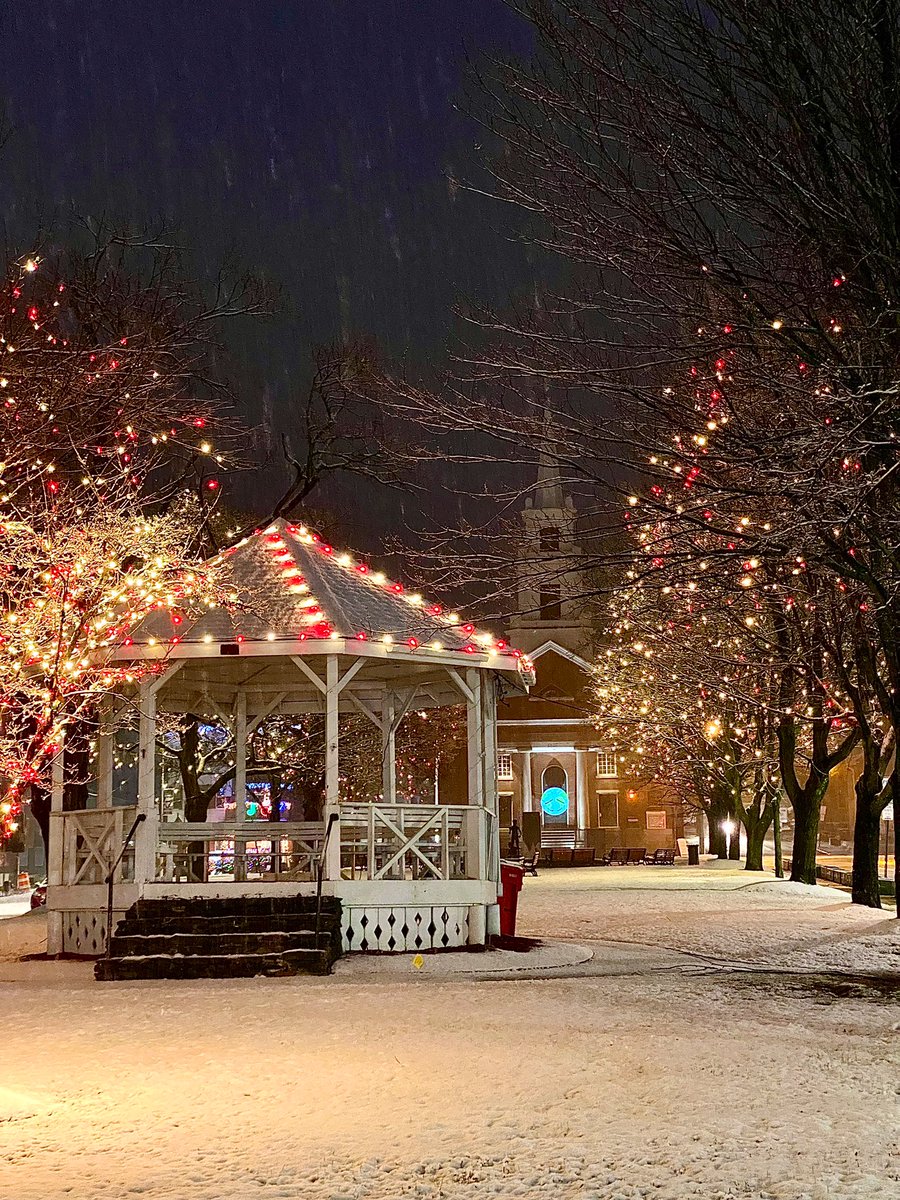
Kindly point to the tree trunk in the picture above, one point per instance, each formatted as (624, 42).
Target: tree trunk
(756, 826)
(807, 811)
(718, 843)
(40, 810)
(776, 832)
(866, 844)
(196, 806)
(756, 836)
(734, 845)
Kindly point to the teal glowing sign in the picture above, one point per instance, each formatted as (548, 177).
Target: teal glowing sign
(555, 801)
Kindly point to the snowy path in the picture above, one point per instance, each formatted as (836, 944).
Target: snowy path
(658, 1081)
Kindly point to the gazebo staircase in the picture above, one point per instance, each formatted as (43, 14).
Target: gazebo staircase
(214, 939)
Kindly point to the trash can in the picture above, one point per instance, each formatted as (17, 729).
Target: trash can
(693, 849)
(511, 877)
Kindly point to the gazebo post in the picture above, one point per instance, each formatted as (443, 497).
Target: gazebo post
(490, 797)
(57, 852)
(240, 756)
(146, 833)
(474, 736)
(388, 750)
(477, 832)
(332, 767)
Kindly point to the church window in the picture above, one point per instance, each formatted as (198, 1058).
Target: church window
(606, 765)
(555, 794)
(504, 765)
(549, 538)
(549, 602)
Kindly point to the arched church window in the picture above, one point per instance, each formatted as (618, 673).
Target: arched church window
(548, 537)
(555, 793)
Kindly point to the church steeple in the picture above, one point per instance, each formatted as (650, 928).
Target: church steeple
(548, 493)
(547, 569)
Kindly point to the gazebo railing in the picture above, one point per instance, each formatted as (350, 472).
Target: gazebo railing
(237, 851)
(411, 841)
(90, 839)
(391, 842)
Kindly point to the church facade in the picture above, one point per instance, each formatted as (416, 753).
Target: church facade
(551, 761)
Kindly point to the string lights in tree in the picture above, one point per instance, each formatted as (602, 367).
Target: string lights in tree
(96, 526)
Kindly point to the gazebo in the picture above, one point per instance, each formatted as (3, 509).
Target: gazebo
(310, 631)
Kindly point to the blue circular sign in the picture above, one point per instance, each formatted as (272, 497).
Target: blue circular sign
(555, 801)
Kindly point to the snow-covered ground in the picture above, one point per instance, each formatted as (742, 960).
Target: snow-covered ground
(729, 915)
(662, 1077)
(15, 904)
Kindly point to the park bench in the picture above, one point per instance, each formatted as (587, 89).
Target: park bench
(530, 863)
(618, 854)
(637, 855)
(584, 856)
(663, 857)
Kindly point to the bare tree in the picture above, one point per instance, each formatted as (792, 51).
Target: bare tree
(342, 426)
(724, 181)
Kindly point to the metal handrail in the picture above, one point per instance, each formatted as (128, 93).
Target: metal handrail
(320, 870)
(111, 875)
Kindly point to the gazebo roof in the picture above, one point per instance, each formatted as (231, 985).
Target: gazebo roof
(294, 593)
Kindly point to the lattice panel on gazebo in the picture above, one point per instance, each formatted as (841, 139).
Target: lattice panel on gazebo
(84, 933)
(405, 928)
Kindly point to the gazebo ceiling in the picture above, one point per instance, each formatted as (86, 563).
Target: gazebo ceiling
(295, 594)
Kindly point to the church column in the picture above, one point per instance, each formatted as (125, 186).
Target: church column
(527, 798)
(581, 820)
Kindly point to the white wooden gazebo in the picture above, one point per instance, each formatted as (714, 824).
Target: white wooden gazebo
(311, 631)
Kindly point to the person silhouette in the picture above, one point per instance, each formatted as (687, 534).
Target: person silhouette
(514, 839)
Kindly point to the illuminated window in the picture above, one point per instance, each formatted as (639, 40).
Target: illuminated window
(504, 766)
(606, 765)
(555, 794)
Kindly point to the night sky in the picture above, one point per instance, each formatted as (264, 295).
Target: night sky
(312, 139)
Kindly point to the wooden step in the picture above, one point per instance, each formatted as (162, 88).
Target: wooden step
(202, 923)
(213, 966)
(217, 938)
(204, 944)
(237, 906)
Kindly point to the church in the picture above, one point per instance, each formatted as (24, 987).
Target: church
(553, 771)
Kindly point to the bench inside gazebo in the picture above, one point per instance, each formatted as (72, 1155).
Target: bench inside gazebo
(319, 639)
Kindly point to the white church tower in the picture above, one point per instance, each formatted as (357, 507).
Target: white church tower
(549, 579)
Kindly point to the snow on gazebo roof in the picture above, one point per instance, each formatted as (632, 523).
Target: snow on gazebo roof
(291, 586)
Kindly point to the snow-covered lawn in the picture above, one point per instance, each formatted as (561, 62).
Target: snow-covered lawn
(663, 1080)
(731, 915)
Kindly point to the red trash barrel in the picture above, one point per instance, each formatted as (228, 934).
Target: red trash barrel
(511, 877)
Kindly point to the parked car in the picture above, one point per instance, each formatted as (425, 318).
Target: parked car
(39, 896)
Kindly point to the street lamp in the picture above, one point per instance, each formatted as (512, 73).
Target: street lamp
(728, 830)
